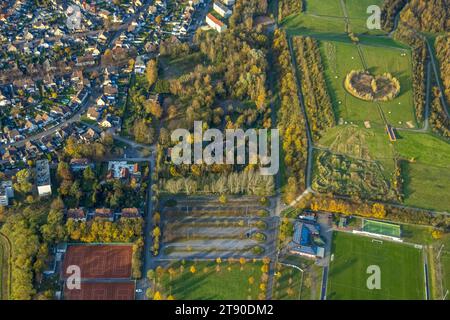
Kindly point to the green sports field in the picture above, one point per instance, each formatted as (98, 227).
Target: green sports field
(401, 266)
(381, 228)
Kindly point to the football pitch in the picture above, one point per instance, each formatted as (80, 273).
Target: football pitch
(401, 269)
(382, 228)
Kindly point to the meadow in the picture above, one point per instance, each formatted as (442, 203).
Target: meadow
(427, 173)
(426, 169)
(328, 16)
(340, 58)
(230, 281)
(288, 283)
(445, 262)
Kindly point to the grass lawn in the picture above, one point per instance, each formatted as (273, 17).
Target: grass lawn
(424, 148)
(401, 269)
(328, 16)
(4, 268)
(427, 186)
(174, 68)
(428, 175)
(417, 234)
(357, 12)
(310, 281)
(309, 24)
(207, 284)
(340, 58)
(445, 262)
(324, 8)
(288, 283)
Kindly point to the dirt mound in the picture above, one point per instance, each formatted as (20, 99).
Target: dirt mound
(365, 86)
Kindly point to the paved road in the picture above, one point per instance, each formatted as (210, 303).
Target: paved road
(426, 273)
(323, 291)
(326, 233)
(143, 284)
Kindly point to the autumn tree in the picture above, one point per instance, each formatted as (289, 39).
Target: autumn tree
(151, 72)
(23, 181)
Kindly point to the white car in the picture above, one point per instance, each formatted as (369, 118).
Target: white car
(139, 291)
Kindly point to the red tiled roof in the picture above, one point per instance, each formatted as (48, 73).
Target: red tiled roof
(215, 20)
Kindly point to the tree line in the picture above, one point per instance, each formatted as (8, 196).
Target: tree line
(442, 45)
(439, 121)
(32, 229)
(314, 88)
(291, 122)
(367, 209)
(428, 16)
(288, 7)
(248, 182)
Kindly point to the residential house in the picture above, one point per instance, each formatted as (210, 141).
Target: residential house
(122, 170)
(130, 213)
(139, 65)
(77, 214)
(110, 121)
(80, 164)
(104, 213)
(93, 114)
(85, 61)
(215, 23)
(89, 136)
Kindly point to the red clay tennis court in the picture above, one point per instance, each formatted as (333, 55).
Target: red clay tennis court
(99, 261)
(101, 291)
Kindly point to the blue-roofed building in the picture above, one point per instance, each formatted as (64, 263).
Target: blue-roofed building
(303, 242)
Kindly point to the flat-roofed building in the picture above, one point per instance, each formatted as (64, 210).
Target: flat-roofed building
(6, 193)
(222, 9)
(43, 181)
(229, 2)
